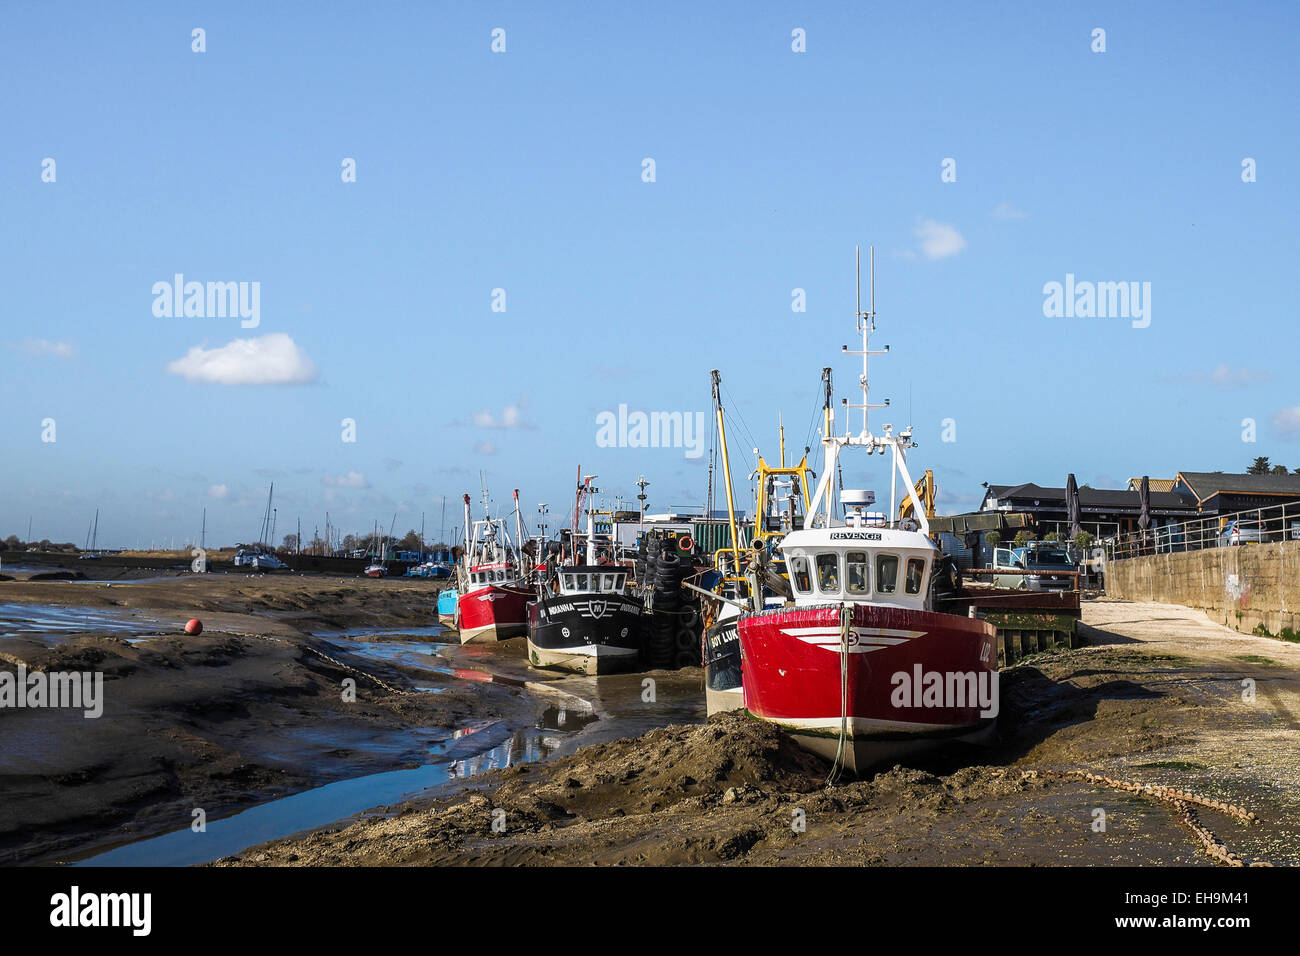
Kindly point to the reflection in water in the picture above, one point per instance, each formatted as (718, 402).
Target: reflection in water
(568, 717)
(470, 750)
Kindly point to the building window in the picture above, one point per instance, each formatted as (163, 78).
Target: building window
(856, 572)
(886, 573)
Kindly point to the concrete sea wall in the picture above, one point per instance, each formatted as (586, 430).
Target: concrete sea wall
(1248, 586)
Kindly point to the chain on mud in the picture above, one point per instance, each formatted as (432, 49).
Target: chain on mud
(1183, 802)
(325, 657)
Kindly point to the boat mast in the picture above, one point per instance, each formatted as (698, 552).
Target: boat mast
(519, 535)
(467, 532)
(577, 509)
(591, 527)
(726, 469)
(641, 497)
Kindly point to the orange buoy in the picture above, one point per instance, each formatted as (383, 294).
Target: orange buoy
(194, 626)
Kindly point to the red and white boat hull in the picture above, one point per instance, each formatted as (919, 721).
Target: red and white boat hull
(493, 613)
(913, 679)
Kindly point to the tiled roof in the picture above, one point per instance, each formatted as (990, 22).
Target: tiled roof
(1157, 484)
(1090, 497)
(1206, 483)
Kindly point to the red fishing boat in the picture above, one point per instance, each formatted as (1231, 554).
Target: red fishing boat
(858, 665)
(494, 588)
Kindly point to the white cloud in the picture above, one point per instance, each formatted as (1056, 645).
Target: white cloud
(269, 360)
(353, 479)
(512, 416)
(1287, 421)
(219, 491)
(1223, 376)
(1227, 377)
(60, 349)
(1004, 210)
(485, 448)
(938, 240)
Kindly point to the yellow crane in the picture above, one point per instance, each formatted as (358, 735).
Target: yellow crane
(924, 489)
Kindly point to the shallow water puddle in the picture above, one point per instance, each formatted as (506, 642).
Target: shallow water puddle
(468, 752)
(416, 654)
(435, 631)
(52, 620)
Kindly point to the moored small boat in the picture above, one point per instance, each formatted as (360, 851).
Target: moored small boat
(722, 674)
(494, 606)
(447, 598)
(753, 574)
(583, 617)
(588, 623)
(492, 603)
(858, 665)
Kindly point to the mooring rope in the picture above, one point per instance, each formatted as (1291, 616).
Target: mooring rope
(846, 624)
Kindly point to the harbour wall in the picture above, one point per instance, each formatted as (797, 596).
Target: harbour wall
(1247, 587)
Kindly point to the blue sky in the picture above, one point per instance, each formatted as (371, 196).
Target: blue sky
(522, 171)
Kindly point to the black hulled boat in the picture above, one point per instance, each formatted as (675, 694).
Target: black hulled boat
(586, 622)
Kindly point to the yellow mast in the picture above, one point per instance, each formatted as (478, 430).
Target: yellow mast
(726, 471)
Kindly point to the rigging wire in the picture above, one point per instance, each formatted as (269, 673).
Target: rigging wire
(731, 401)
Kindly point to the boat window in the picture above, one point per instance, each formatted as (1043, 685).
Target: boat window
(581, 580)
(828, 572)
(566, 581)
(607, 582)
(856, 572)
(886, 573)
(618, 581)
(915, 572)
(802, 583)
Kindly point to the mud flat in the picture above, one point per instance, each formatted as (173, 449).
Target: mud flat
(249, 711)
(1153, 700)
